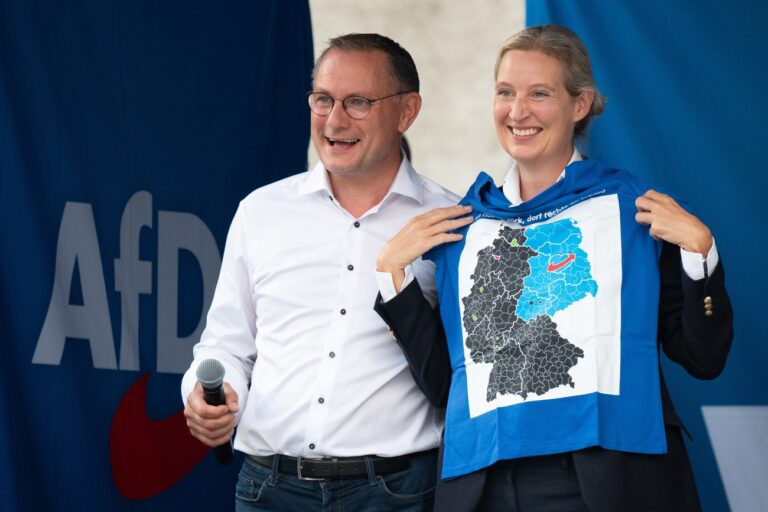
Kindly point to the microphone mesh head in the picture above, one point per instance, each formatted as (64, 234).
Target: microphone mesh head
(210, 373)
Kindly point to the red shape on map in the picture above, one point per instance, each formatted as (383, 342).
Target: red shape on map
(554, 267)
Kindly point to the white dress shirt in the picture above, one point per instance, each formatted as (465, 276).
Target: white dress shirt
(692, 262)
(292, 321)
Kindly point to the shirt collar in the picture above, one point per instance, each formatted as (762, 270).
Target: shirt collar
(316, 180)
(406, 182)
(511, 184)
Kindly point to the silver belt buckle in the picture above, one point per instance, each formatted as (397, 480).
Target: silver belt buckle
(299, 461)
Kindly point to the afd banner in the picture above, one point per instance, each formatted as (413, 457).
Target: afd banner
(129, 131)
(686, 109)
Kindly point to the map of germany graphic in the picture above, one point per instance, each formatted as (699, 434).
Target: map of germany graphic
(521, 280)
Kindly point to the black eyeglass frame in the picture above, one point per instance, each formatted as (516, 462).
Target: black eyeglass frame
(370, 102)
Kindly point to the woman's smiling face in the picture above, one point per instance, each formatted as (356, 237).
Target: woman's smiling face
(533, 112)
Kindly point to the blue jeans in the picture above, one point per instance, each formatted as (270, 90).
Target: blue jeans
(411, 490)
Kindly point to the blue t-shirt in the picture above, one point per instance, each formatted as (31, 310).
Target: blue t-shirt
(550, 311)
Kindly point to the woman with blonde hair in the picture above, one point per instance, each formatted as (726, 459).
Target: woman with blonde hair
(556, 291)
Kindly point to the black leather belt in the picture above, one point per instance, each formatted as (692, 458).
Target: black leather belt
(333, 468)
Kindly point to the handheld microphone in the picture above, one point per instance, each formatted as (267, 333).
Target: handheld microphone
(210, 374)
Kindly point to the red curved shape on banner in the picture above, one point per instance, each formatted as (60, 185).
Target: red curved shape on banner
(148, 456)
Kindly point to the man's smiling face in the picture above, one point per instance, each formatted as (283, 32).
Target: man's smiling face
(349, 146)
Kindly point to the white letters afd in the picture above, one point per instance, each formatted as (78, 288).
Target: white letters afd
(78, 243)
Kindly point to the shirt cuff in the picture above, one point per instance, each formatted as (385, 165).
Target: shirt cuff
(387, 283)
(698, 267)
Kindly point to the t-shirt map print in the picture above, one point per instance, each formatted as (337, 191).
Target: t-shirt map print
(520, 281)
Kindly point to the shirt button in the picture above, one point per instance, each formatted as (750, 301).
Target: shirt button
(311, 446)
(357, 224)
(343, 311)
(350, 267)
(321, 400)
(332, 354)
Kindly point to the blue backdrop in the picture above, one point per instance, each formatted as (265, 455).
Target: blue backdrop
(129, 131)
(686, 108)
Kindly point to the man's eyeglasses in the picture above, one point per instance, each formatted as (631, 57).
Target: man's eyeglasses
(356, 107)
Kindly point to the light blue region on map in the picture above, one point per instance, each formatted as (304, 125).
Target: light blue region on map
(560, 272)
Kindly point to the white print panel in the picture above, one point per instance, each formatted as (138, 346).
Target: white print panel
(541, 307)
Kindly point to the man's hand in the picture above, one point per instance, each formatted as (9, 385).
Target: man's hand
(213, 425)
(421, 234)
(668, 221)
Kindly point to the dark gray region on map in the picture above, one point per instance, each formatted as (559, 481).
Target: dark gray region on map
(527, 357)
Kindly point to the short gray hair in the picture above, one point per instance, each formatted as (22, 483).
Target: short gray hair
(402, 68)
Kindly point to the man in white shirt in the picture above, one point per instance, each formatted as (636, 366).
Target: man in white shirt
(326, 406)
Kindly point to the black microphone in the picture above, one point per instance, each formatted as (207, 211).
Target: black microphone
(210, 374)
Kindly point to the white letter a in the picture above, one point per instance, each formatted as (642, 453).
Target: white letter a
(77, 243)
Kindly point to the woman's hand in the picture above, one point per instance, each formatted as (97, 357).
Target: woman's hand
(670, 222)
(421, 234)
